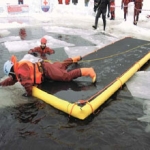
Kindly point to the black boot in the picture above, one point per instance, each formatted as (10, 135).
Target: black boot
(94, 27)
(96, 22)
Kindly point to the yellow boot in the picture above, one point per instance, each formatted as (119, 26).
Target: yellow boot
(89, 72)
(76, 59)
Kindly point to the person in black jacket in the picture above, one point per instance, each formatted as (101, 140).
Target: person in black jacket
(101, 7)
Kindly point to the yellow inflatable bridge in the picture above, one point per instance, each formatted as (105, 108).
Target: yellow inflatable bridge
(127, 56)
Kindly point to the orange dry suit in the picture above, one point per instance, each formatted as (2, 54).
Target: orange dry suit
(112, 9)
(27, 73)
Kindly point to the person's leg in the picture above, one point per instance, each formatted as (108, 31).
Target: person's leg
(51, 71)
(96, 19)
(73, 74)
(104, 18)
(67, 62)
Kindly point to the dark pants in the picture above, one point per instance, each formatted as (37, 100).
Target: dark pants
(99, 13)
(20, 1)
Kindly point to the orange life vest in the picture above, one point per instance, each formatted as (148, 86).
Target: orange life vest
(35, 69)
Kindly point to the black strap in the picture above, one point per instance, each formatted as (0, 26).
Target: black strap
(34, 73)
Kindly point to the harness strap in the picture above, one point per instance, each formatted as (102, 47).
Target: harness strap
(39, 64)
(34, 73)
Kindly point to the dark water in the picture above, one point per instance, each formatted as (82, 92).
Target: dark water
(37, 125)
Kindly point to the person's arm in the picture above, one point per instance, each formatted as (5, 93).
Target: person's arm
(8, 81)
(49, 51)
(36, 49)
(25, 80)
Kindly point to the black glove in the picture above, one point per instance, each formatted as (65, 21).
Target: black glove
(34, 54)
(25, 95)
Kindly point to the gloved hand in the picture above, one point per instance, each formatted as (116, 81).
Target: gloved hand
(34, 54)
(26, 95)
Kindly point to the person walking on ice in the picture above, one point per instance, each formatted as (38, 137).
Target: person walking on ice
(101, 8)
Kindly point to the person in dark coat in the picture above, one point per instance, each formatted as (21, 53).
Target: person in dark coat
(101, 7)
(31, 71)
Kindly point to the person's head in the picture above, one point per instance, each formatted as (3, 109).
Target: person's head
(43, 43)
(8, 68)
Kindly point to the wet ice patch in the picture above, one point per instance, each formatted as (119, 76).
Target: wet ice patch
(146, 116)
(4, 33)
(68, 31)
(82, 50)
(139, 85)
(12, 95)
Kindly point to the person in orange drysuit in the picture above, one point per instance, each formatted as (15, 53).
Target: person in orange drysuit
(137, 10)
(31, 71)
(124, 6)
(66, 2)
(112, 9)
(42, 49)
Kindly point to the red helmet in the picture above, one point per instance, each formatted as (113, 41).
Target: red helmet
(43, 40)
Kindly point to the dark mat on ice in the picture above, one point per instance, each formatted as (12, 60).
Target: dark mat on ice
(109, 62)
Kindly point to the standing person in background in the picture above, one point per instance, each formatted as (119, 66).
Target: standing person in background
(42, 49)
(137, 10)
(124, 6)
(74, 2)
(112, 9)
(101, 7)
(20, 2)
(66, 2)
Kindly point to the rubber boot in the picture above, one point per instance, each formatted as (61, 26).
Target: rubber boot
(96, 22)
(89, 72)
(76, 59)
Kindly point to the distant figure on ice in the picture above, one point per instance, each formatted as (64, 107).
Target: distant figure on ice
(74, 2)
(66, 2)
(42, 49)
(112, 9)
(31, 71)
(20, 2)
(137, 10)
(124, 6)
(101, 7)
(22, 33)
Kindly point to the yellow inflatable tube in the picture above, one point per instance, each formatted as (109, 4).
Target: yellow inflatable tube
(82, 112)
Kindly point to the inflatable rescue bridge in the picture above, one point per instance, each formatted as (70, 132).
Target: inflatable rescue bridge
(114, 64)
